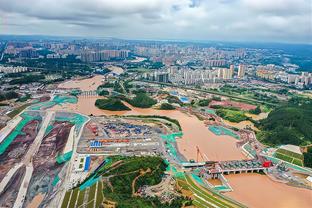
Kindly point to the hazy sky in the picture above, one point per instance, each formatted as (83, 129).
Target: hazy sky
(229, 20)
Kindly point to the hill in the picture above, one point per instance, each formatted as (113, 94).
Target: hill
(112, 104)
(290, 124)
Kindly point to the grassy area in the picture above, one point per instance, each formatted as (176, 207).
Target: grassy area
(16, 111)
(232, 115)
(73, 198)
(92, 192)
(206, 199)
(99, 194)
(205, 195)
(80, 198)
(289, 156)
(66, 199)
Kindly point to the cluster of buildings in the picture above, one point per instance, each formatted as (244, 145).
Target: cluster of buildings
(298, 80)
(189, 76)
(12, 69)
(104, 55)
(195, 55)
(302, 80)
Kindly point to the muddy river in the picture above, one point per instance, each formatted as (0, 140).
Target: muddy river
(253, 190)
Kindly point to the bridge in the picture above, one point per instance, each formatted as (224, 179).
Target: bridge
(214, 169)
(89, 93)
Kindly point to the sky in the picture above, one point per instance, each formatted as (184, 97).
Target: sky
(222, 20)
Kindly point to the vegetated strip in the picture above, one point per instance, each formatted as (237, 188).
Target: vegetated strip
(213, 92)
(212, 198)
(176, 122)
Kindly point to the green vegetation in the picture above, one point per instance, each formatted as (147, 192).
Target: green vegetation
(252, 100)
(205, 199)
(65, 200)
(27, 79)
(289, 124)
(256, 111)
(176, 122)
(112, 104)
(289, 156)
(308, 157)
(117, 87)
(24, 98)
(103, 93)
(106, 85)
(18, 110)
(166, 106)
(142, 171)
(204, 102)
(142, 100)
(174, 99)
(231, 115)
(8, 95)
(73, 198)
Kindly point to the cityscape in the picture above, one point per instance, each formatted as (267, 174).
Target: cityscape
(96, 118)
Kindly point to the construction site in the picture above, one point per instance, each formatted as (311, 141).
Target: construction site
(18, 141)
(124, 136)
(9, 193)
(46, 165)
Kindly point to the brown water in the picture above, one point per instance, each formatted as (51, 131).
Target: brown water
(253, 190)
(195, 132)
(258, 191)
(83, 84)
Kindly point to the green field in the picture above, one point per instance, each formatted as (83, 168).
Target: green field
(232, 115)
(75, 198)
(289, 156)
(16, 111)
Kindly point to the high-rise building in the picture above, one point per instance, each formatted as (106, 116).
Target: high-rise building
(104, 55)
(231, 70)
(241, 71)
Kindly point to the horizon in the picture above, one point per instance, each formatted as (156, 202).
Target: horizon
(281, 21)
(202, 41)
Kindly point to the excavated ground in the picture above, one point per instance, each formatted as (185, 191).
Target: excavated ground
(18, 148)
(9, 194)
(45, 166)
